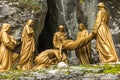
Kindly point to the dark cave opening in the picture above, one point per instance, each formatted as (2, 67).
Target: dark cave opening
(45, 38)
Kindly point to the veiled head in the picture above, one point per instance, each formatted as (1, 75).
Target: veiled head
(5, 27)
(101, 4)
(30, 22)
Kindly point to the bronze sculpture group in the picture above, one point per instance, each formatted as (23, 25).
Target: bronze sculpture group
(104, 45)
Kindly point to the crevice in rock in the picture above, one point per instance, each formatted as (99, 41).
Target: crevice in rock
(45, 38)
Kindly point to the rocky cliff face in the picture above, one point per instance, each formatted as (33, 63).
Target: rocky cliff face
(48, 14)
(72, 12)
(17, 12)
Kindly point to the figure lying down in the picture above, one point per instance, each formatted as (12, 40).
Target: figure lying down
(49, 57)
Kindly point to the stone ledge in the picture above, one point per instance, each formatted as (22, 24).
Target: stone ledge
(88, 72)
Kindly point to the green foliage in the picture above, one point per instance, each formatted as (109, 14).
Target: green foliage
(67, 72)
(112, 69)
(81, 1)
(31, 4)
(41, 71)
(5, 77)
(107, 68)
(14, 74)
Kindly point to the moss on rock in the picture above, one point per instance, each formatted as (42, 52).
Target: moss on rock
(106, 68)
(31, 4)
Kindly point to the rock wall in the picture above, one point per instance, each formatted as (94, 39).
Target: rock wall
(55, 12)
(92, 72)
(71, 12)
(17, 12)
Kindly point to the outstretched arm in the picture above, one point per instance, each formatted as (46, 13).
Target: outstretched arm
(97, 22)
(85, 40)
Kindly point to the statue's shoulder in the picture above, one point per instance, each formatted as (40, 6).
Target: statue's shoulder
(79, 32)
(25, 27)
(56, 33)
(99, 12)
(104, 11)
(86, 30)
(3, 34)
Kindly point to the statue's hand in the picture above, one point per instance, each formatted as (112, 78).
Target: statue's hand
(95, 29)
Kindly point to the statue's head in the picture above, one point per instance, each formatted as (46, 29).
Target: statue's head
(101, 5)
(61, 28)
(81, 27)
(5, 27)
(30, 22)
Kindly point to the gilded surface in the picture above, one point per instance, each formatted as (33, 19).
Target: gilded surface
(105, 45)
(7, 43)
(28, 45)
(48, 57)
(59, 37)
(83, 53)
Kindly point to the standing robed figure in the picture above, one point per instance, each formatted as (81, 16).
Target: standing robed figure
(28, 47)
(83, 53)
(105, 45)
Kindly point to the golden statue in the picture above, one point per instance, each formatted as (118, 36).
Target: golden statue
(28, 47)
(105, 45)
(7, 43)
(59, 37)
(78, 43)
(15, 58)
(48, 57)
(61, 42)
(83, 53)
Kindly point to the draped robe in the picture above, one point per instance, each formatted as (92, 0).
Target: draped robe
(7, 43)
(66, 44)
(83, 53)
(27, 50)
(47, 58)
(105, 45)
(58, 39)
(72, 45)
